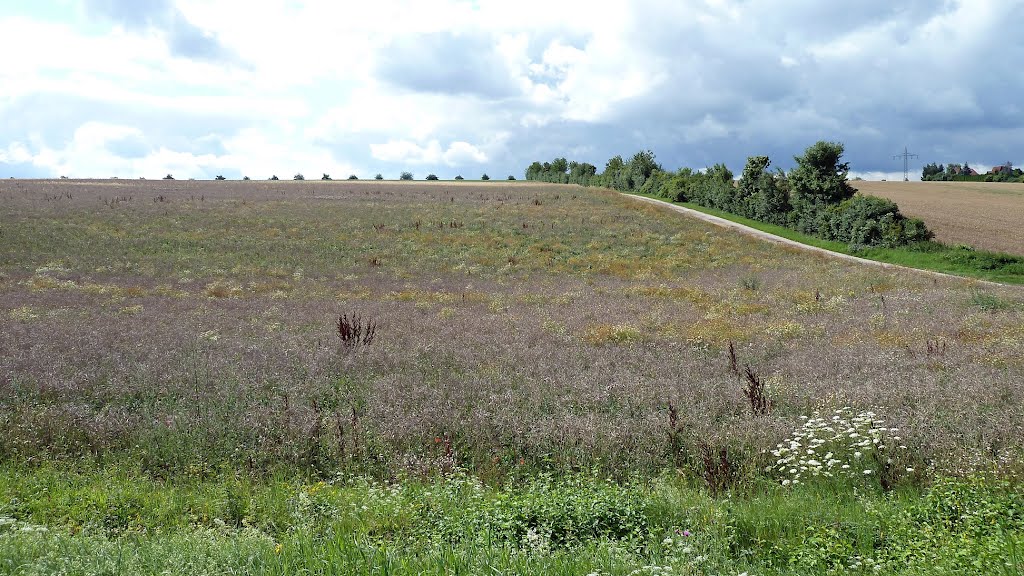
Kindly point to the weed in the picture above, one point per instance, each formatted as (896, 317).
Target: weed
(718, 470)
(751, 282)
(990, 302)
(754, 390)
(734, 367)
(354, 331)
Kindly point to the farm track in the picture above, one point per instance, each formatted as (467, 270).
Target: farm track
(768, 237)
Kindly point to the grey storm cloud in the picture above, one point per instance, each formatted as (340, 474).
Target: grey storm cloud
(445, 62)
(876, 76)
(183, 38)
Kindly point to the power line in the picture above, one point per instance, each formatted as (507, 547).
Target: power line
(906, 163)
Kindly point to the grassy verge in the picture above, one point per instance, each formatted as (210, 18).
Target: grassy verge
(934, 256)
(115, 521)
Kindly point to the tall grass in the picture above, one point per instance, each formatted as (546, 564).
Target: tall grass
(558, 381)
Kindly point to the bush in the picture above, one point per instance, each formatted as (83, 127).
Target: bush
(431, 177)
(378, 177)
(405, 176)
(485, 177)
(274, 177)
(324, 177)
(245, 178)
(459, 178)
(298, 176)
(511, 177)
(168, 177)
(219, 177)
(871, 221)
(354, 177)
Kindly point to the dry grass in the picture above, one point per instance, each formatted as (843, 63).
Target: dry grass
(183, 334)
(984, 215)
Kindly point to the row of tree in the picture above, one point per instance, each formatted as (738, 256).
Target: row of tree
(939, 173)
(815, 197)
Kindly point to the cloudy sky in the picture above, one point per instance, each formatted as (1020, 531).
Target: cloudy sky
(196, 88)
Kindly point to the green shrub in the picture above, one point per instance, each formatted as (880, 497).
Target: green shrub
(485, 177)
(220, 177)
(298, 176)
(459, 178)
(405, 176)
(353, 177)
(870, 221)
(431, 177)
(378, 177)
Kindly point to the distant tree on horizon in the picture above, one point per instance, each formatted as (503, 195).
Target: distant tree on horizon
(378, 177)
(485, 177)
(431, 176)
(298, 176)
(406, 176)
(168, 177)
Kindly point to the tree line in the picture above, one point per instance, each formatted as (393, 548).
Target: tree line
(815, 197)
(950, 172)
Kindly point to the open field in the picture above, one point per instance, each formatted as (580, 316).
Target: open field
(549, 388)
(984, 215)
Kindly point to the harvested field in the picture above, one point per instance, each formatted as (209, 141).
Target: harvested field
(984, 215)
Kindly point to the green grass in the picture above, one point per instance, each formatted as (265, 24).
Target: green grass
(61, 520)
(957, 260)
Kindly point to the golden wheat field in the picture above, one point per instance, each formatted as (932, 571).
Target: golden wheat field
(985, 215)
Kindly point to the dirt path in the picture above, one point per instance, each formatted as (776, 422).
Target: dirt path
(760, 234)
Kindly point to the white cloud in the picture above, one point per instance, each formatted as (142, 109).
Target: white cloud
(407, 152)
(461, 153)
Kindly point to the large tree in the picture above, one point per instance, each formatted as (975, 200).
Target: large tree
(761, 196)
(818, 181)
